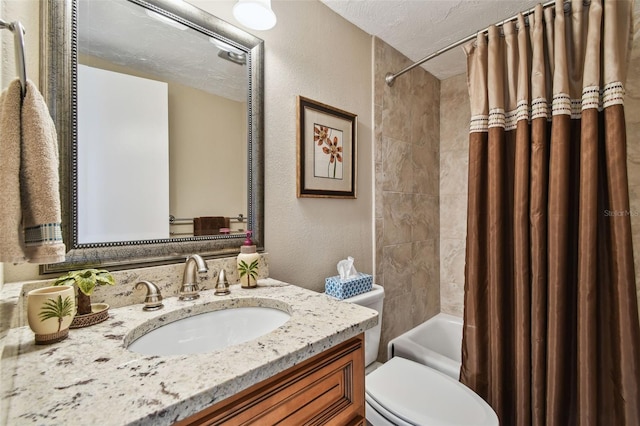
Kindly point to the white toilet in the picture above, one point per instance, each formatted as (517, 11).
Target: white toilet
(403, 392)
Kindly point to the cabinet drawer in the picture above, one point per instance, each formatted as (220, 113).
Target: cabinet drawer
(326, 389)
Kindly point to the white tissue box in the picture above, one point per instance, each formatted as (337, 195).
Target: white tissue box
(343, 289)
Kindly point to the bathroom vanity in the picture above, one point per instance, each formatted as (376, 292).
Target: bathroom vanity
(309, 370)
(326, 389)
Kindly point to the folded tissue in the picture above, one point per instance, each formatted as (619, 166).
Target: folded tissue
(349, 282)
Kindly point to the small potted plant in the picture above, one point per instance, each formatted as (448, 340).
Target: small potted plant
(86, 280)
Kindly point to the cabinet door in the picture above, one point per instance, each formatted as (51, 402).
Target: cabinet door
(326, 389)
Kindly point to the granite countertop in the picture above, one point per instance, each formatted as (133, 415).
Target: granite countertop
(91, 378)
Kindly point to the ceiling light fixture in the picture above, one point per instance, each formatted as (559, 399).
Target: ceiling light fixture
(255, 14)
(229, 52)
(165, 20)
(233, 57)
(226, 47)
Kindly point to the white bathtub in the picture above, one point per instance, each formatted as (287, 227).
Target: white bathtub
(436, 343)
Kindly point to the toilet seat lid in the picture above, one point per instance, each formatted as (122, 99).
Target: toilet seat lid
(421, 395)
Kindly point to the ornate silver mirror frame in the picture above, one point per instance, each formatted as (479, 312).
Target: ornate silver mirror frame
(58, 84)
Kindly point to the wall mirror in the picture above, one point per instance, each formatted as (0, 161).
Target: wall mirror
(158, 107)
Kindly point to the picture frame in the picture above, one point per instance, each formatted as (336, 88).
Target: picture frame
(327, 151)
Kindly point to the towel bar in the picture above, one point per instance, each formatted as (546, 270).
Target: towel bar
(18, 41)
(182, 221)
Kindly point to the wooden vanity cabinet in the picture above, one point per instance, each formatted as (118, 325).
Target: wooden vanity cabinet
(327, 389)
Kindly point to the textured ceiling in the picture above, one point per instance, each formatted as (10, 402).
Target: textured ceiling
(418, 28)
(122, 33)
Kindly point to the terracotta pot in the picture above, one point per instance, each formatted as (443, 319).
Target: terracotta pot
(50, 311)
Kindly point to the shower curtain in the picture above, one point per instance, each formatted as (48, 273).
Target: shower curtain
(551, 333)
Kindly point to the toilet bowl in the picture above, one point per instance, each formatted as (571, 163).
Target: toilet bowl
(403, 392)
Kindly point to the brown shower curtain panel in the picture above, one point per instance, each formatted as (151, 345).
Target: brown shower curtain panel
(551, 334)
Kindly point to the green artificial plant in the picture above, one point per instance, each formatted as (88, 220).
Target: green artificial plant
(86, 280)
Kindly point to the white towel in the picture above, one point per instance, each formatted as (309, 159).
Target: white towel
(33, 232)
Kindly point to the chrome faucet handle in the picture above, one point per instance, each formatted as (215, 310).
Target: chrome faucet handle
(222, 287)
(153, 300)
(189, 289)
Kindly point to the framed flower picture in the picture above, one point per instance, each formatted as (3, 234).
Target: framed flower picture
(326, 151)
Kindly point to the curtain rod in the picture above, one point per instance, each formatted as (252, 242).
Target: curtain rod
(390, 77)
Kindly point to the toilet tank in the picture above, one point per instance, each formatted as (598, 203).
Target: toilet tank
(372, 299)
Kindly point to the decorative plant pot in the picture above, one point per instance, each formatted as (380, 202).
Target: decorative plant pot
(99, 313)
(50, 311)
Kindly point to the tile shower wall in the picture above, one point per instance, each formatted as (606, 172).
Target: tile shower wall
(454, 161)
(632, 115)
(406, 193)
(454, 122)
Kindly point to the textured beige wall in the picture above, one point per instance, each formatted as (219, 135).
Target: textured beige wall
(454, 123)
(25, 11)
(406, 193)
(207, 151)
(632, 115)
(314, 53)
(454, 161)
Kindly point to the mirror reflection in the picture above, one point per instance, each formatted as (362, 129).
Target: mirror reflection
(162, 127)
(158, 107)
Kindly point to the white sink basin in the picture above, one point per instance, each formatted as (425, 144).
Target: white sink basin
(210, 331)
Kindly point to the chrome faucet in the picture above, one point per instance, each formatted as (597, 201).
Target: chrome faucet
(189, 289)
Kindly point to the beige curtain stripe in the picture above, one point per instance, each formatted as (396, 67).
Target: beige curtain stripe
(476, 81)
(577, 23)
(560, 55)
(591, 79)
(495, 75)
(549, 17)
(538, 63)
(524, 65)
(559, 65)
(512, 59)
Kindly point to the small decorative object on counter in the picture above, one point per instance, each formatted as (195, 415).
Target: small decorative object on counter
(349, 282)
(248, 264)
(86, 280)
(50, 311)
